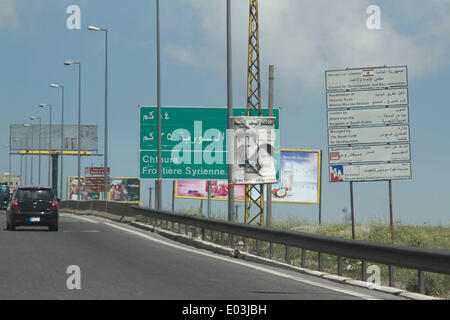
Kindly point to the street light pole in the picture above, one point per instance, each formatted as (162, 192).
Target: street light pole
(26, 165)
(43, 105)
(158, 72)
(68, 63)
(61, 175)
(39, 156)
(21, 147)
(91, 28)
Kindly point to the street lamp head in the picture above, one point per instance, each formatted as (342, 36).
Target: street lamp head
(54, 85)
(43, 105)
(32, 118)
(92, 28)
(68, 62)
(26, 125)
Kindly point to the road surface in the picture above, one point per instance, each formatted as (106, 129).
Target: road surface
(117, 261)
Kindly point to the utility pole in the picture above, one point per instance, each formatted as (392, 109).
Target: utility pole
(269, 186)
(254, 196)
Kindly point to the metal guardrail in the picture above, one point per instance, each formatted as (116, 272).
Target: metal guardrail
(421, 259)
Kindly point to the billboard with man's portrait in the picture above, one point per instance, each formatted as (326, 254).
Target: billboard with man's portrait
(253, 150)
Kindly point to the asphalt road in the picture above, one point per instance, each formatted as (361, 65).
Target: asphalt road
(117, 261)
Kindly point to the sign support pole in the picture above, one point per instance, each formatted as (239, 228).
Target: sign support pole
(173, 196)
(150, 197)
(230, 112)
(391, 212)
(352, 209)
(209, 199)
(320, 188)
(269, 186)
(158, 189)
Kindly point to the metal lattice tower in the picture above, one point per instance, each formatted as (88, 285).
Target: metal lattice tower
(254, 194)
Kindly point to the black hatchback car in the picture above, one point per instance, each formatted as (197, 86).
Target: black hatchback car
(33, 206)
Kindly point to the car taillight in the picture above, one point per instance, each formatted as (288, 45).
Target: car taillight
(15, 204)
(54, 204)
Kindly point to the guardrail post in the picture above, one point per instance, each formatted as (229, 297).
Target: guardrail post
(203, 234)
(340, 266)
(391, 276)
(421, 282)
(319, 262)
(286, 256)
(271, 250)
(303, 260)
(364, 270)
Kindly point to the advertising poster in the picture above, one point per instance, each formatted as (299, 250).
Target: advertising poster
(72, 189)
(253, 150)
(300, 177)
(198, 189)
(300, 182)
(125, 190)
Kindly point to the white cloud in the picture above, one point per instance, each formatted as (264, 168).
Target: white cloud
(305, 38)
(8, 15)
(182, 54)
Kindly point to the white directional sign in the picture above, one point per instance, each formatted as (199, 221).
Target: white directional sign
(366, 78)
(367, 98)
(368, 124)
(368, 135)
(355, 154)
(363, 117)
(370, 172)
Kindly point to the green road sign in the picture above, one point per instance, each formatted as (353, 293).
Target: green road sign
(193, 142)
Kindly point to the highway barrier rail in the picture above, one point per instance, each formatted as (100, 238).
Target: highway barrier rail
(420, 259)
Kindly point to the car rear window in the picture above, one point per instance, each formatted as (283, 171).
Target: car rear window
(34, 194)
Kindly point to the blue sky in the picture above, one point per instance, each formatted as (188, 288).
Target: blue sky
(301, 38)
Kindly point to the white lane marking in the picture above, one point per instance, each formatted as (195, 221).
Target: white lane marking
(313, 283)
(84, 218)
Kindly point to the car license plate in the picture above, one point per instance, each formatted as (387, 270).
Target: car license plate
(35, 219)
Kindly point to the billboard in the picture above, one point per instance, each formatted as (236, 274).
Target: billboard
(125, 190)
(300, 181)
(253, 156)
(198, 189)
(300, 177)
(36, 137)
(72, 189)
(120, 189)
